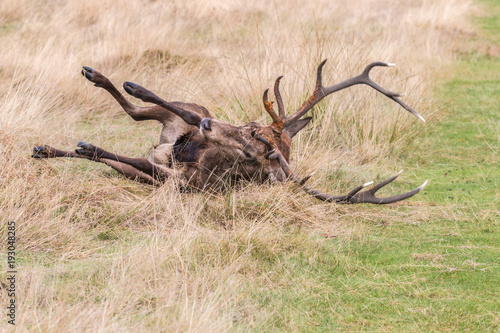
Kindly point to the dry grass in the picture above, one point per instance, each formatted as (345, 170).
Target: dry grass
(98, 252)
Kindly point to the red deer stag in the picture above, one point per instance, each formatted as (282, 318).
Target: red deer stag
(204, 153)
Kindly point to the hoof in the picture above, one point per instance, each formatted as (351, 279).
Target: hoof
(140, 92)
(84, 145)
(94, 76)
(130, 87)
(86, 149)
(40, 152)
(88, 73)
(206, 124)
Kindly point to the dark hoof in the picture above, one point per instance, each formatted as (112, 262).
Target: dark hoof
(84, 145)
(94, 76)
(88, 73)
(130, 87)
(87, 149)
(40, 152)
(140, 92)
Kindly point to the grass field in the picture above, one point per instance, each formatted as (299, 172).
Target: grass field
(98, 252)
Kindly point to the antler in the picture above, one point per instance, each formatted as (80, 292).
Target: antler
(321, 92)
(276, 154)
(277, 119)
(269, 108)
(354, 196)
(279, 100)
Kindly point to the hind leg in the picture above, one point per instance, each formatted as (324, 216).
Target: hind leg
(140, 113)
(156, 171)
(130, 172)
(42, 152)
(173, 126)
(138, 169)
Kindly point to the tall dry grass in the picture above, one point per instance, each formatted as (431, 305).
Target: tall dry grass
(98, 252)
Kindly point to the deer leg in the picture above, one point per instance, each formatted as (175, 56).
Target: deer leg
(158, 172)
(173, 126)
(136, 112)
(130, 172)
(96, 154)
(45, 151)
(41, 152)
(190, 117)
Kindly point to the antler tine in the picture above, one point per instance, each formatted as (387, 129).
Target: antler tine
(279, 100)
(321, 92)
(316, 96)
(369, 195)
(354, 196)
(306, 178)
(365, 78)
(276, 154)
(269, 107)
(319, 74)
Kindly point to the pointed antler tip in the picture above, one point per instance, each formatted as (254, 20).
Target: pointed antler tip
(367, 184)
(390, 64)
(421, 118)
(303, 181)
(421, 187)
(320, 67)
(400, 172)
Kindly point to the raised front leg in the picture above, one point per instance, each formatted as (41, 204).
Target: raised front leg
(173, 126)
(136, 112)
(189, 116)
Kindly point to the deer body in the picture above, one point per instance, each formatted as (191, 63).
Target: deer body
(203, 153)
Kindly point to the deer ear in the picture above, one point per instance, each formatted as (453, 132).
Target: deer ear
(295, 127)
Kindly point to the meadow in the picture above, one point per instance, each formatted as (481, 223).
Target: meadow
(97, 252)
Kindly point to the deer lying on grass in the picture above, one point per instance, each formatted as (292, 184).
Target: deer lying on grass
(204, 153)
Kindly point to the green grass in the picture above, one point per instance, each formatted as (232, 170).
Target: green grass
(439, 276)
(463, 162)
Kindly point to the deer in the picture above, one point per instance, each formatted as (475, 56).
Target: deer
(200, 152)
